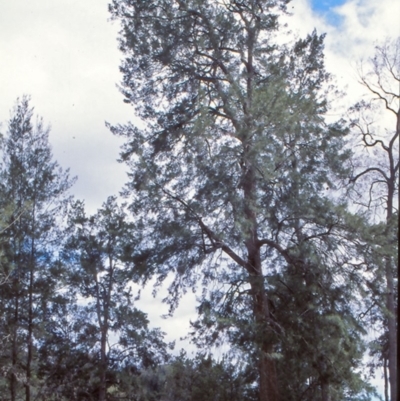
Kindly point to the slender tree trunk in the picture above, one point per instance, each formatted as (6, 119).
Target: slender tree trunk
(390, 303)
(385, 374)
(29, 339)
(14, 352)
(103, 365)
(103, 318)
(17, 284)
(30, 308)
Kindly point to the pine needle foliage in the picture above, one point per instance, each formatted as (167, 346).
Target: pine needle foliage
(229, 184)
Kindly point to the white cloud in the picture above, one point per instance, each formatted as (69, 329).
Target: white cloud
(360, 26)
(64, 54)
(364, 23)
(175, 326)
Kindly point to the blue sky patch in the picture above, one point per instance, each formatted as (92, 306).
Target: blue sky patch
(324, 7)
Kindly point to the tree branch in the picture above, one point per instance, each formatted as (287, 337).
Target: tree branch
(378, 94)
(354, 179)
(215, 240)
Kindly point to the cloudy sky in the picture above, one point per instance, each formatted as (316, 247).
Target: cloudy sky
(64, 54)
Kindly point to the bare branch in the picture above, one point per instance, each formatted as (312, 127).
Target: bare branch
(368, 170)
(319, 235)
(379, 95)
(376, 141)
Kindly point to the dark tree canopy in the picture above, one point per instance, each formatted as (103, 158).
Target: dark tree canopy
(229, 182)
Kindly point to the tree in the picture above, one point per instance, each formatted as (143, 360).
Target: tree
(378, 176)
(313, 312)
(34, 188)
(199, 379)
(228, 178)
(112, 332)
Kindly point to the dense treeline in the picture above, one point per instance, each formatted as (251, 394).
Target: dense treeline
(239, 187)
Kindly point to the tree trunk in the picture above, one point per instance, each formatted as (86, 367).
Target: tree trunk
(30, 308)
(103, 365)
(103, 303)
(268, 387)
(325, 396)
(390, 297)
(385, 375)
(14, 352)
(29, 339)
(392, 358)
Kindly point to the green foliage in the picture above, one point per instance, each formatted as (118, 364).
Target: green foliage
(234, 187)
(229, 182)
(198, 379)
(107, 335)
(33, 192)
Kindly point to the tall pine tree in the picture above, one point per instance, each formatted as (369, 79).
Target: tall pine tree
(228, 178)
(112, 333)
(34, 188)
